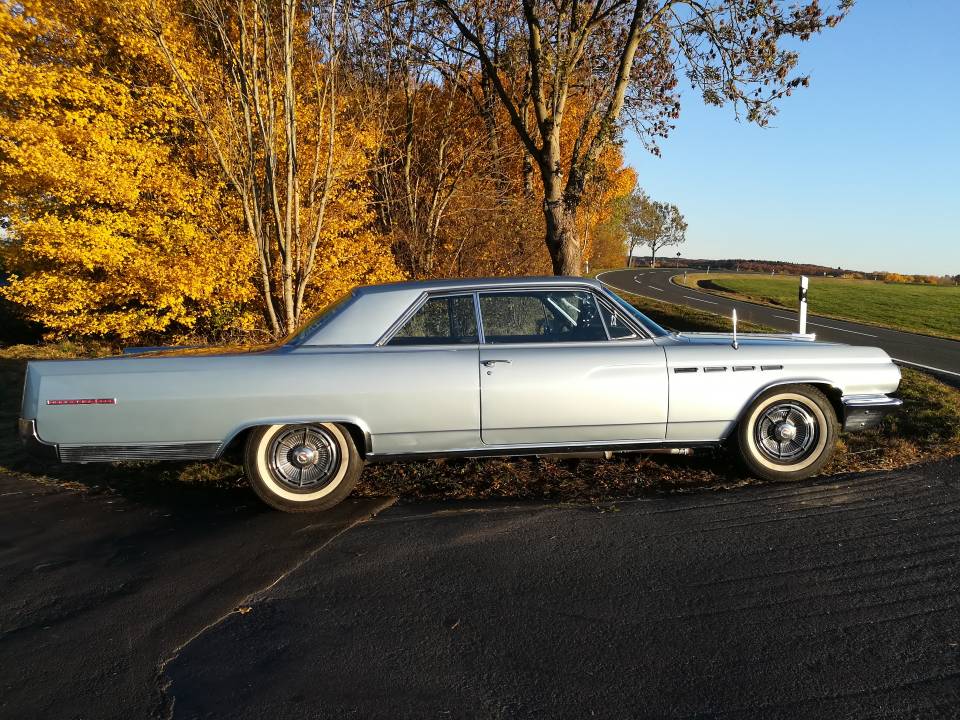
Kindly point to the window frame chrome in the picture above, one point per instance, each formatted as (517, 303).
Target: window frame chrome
(599, 296)
(415, 307)
(641, 333)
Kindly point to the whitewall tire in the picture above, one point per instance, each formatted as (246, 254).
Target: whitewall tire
(304, 467)
(788, 433)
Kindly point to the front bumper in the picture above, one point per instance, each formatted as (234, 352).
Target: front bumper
(27, 430)
(861, 412)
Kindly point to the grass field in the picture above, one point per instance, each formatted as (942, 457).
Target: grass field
(927, 428)
(927, 309)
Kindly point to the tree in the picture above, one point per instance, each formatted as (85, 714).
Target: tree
(114, 225)
(622, 59)
(654, 224)
(266, 88)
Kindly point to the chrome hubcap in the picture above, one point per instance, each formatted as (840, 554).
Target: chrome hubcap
(786, 432)
(303, 458)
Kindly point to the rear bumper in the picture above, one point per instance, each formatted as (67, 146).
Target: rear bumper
(861, 412)
(27, 430)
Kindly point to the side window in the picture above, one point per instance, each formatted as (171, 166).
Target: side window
(541, 316)
(448, 320)
(617, 327)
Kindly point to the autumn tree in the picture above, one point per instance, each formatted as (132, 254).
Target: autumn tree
(623, 59)
(113, 225)
(653, 224)
(265, 84)
(610, 236)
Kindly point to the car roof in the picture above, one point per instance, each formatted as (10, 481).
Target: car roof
(374, 308)
(478, 283)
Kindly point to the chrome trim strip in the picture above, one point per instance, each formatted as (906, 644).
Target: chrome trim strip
(550, 449)
(157, 451)
(476, 310)
(870, 401)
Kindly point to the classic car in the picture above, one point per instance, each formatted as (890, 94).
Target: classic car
(460, 367)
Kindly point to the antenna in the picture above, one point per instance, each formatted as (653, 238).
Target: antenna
(736, 346)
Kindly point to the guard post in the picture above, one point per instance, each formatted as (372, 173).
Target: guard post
(804, 284)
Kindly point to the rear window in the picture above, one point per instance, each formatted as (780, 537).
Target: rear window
(447, 320)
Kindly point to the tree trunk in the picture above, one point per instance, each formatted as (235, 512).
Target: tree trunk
(653, 256)
(562, 237)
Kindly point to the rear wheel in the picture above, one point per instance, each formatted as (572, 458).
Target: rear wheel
(788, 433)
(302, 468)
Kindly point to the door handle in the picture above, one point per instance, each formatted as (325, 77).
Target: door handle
(491, 363)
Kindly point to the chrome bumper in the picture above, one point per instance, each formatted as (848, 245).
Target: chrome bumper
(861, 412)
(27, 430)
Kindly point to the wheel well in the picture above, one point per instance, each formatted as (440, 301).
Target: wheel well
(359, 438)
(234, 448)
(833, 395)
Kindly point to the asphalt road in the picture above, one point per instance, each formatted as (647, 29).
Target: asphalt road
(922, 351)
(829, 598)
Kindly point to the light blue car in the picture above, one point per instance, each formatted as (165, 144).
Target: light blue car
(460, 367)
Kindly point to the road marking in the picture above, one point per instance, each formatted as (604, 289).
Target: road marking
(654, 287)
(829, 327)
(926, 367)
(691, 297)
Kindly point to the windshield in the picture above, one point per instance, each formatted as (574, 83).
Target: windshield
(319, 319)
(647, 323)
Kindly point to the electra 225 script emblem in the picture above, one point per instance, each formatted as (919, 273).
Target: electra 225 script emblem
(84, 401)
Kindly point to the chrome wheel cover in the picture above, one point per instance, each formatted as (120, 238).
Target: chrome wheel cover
(786, 432)
(303, 458)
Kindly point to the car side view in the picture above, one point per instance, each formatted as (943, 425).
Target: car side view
(494, 366)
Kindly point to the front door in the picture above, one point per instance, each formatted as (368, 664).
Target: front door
(549, 374)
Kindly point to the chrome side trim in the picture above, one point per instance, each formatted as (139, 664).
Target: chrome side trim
(159, 451)
(871, 401)
(549, 449)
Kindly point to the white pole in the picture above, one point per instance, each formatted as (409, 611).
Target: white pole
(804, 284)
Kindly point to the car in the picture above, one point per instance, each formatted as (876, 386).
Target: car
(495, 366)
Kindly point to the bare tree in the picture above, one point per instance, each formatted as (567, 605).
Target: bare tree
(622, 58)
(266, 96)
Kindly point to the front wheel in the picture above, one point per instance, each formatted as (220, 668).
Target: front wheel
(302, 468)
(788, 433)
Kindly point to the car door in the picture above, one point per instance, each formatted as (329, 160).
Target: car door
(551, 374)
(426, 395)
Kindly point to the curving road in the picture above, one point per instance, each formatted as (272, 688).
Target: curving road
(928, 353)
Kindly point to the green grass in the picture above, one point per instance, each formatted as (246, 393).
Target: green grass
(926, 309)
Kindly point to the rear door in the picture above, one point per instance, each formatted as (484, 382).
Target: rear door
(557, 367)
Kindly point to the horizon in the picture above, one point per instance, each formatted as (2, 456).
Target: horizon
(818, 186)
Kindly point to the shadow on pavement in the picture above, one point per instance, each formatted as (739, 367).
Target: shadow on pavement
(98, 591)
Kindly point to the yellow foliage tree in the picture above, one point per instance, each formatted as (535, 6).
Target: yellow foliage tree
(293, 149)
(115, 226)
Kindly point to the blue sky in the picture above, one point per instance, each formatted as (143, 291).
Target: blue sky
(860, 170)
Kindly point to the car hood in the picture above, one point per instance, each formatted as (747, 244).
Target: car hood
(754, 339)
